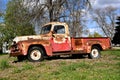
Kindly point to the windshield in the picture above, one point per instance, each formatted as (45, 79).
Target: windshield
(45, 29)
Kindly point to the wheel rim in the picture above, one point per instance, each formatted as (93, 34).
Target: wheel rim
(95, 53)
(35, 55)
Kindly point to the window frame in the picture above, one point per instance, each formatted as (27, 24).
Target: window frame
(62, 31)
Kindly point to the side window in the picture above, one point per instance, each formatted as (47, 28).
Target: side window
(46, 29)
(59, 29)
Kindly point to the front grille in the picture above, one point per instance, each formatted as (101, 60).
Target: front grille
(14, 47)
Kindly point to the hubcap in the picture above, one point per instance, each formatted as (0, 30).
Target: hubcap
(35, 55)
(95, 53)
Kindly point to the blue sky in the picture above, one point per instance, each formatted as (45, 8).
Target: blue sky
(3, 7)
(95, 3)
(104, 3)
(3, 4)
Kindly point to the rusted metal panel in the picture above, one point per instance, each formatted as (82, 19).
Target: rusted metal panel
(77, 44)
(61, 47)
(15, 50)
(61, 44)
(21, 48)
(104, 42)
(85, 44)
(48, 50)
(22, 38)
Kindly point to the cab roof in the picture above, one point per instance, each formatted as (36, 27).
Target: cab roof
(58, 23)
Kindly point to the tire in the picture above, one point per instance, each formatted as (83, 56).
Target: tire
(35, 54)
(95, 53)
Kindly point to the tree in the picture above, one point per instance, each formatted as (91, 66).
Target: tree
(0, 14)
(75, 11)
(105, 19)
(116, 38)
(95, 35)
(45, 11)
(58, 10)
(17, 21)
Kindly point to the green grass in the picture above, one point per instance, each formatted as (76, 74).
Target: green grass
(4, 64)
(3, 54)
(23, 68)
(105, 68)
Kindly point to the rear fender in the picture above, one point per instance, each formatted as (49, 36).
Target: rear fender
(89, 48)
(92, 43)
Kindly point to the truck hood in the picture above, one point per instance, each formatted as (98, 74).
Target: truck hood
(22, 38)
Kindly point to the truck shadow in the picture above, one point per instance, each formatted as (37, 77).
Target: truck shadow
(63, 57)
(67, 57)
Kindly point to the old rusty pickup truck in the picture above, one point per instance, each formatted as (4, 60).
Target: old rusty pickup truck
(55, 40)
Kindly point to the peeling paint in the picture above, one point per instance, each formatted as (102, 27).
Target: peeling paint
(53, 43)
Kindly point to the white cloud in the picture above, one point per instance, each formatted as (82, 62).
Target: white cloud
(92, 30)
(105, 3)
(97, 29)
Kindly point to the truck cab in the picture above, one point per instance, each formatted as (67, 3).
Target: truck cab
(55, 40)
(59, 35)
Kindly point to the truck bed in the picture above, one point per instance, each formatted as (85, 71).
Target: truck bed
(83, 43)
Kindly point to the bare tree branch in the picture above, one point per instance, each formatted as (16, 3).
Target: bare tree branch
(105, 18)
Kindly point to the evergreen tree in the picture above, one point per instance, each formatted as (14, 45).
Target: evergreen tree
(116, 38)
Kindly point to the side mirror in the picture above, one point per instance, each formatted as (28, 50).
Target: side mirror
(53, 34)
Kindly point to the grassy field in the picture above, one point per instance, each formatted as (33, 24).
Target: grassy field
(105, 68)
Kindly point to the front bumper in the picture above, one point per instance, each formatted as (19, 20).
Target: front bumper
(15, 51)
(14, 54)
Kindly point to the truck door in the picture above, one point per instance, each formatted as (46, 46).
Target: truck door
(61, 40)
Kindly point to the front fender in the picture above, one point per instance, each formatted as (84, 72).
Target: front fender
(22, 47)
(45, 44)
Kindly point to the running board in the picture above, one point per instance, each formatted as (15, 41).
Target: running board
(68, 53)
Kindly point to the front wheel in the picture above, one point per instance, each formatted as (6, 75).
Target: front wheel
(95, 53)
(35, 54)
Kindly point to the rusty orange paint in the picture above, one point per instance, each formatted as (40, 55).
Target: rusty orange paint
(57, 47)
(52, 42)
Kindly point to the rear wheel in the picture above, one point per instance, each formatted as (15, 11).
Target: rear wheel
(95, 53)
(35, 54)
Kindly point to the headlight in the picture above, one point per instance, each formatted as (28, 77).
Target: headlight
(13, 43)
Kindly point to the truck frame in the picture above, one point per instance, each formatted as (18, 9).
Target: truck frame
(55, 40)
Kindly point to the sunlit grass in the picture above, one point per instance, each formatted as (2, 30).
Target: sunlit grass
(105, 68)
